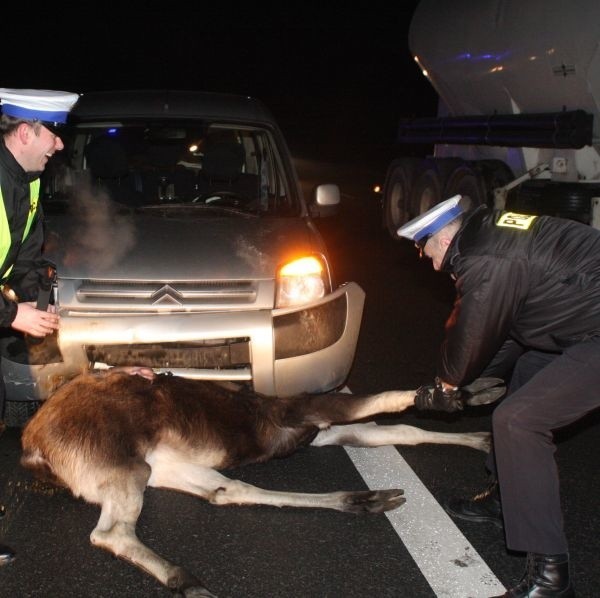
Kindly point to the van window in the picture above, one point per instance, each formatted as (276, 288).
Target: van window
(150, 163)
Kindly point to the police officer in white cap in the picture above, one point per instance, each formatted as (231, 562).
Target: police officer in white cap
(530, 282)
(29, 124)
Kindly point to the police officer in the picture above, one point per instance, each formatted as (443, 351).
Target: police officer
(29, 125)
(533, 281)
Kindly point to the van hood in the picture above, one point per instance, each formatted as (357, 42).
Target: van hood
(185, 243)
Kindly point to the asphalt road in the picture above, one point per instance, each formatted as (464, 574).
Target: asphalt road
(266, 552)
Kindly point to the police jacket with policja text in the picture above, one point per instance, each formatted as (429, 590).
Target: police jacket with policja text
(24, 255)
(535, 279)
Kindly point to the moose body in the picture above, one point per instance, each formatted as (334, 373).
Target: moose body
(107, 436)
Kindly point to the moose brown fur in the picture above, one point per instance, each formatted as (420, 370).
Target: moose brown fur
(108, 436)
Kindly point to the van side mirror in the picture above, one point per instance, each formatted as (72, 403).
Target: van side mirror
(326, 201)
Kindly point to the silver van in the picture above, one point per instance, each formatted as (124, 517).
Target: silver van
(182, 242)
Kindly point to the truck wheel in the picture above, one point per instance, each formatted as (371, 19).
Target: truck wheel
(467, 182)
(569, 200)
(495, 173)
(396, 199)
(427, 188)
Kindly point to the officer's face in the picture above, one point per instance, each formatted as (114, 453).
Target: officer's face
(435, 249)
(42, 143)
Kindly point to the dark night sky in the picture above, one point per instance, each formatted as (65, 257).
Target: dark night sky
(337, 79)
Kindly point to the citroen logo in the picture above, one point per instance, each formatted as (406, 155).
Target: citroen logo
(167, 295)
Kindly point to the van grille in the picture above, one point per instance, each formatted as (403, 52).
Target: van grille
(171, 294)
(224, 353)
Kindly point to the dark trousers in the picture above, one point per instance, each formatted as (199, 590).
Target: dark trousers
(547, 392)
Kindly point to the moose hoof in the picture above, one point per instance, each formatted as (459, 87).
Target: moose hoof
(376, 501)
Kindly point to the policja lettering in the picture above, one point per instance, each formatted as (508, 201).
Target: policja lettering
(512, 220)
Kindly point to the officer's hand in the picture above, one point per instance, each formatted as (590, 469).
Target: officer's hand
(33, 321)
(134, 370)
(434, 397)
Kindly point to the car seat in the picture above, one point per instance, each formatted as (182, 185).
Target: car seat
(223, 170)
(109, 167)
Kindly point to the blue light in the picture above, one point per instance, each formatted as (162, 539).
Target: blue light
(498, 56)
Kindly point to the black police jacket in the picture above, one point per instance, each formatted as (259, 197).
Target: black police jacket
(25, 257)
(532, 279)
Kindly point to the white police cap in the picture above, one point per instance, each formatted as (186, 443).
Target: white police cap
(37, 104)
(419, 229)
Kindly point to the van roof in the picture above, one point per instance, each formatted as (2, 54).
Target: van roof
(169, 104)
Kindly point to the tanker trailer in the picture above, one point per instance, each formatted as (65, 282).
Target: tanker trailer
(517, 124)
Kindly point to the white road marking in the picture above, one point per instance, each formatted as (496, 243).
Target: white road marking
(448, 561)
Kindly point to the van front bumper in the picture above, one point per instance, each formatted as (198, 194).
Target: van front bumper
(281, 352)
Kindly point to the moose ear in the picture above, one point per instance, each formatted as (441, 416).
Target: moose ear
(484, 391)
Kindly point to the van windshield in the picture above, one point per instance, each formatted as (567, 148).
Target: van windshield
(150, 163)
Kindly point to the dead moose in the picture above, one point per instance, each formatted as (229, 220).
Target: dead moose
(107, 436)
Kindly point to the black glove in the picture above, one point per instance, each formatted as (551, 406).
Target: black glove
(434, 397)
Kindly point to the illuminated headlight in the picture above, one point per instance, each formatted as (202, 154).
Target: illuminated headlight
(300, 282)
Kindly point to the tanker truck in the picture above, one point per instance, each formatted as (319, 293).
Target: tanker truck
(517, 124)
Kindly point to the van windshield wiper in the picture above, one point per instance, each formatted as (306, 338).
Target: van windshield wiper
(213, 207)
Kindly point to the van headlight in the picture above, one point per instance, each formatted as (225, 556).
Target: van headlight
(301, 281)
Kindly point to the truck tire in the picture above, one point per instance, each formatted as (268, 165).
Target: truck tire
(495, 173)
(466, 181)
(564, 200)
(427, 188)
(569, 200)
(396, 196)
(527, 198)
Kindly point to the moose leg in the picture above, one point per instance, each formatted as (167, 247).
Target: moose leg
(340, 408)
(324, 410)
(169, 471)
(121, 499)
(371, 434)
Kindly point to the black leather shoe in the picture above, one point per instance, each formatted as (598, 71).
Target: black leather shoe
(546, 576)
(483, 507)
(6, 555)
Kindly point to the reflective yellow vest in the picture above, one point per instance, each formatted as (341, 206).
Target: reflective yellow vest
(5, 240)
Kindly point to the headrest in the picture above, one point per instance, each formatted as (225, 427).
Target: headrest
(223, 160)
(106, 158)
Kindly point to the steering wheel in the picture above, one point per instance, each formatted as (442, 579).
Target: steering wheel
(226, 197)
